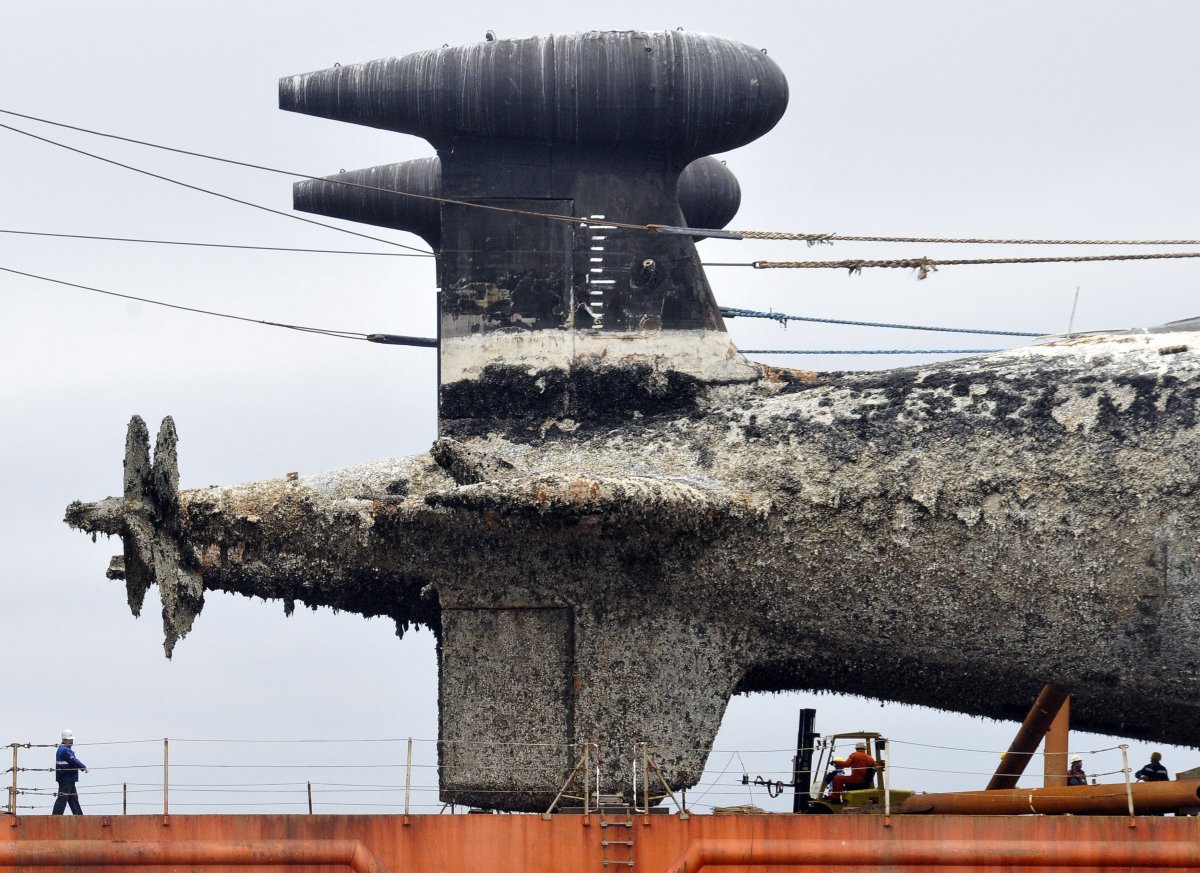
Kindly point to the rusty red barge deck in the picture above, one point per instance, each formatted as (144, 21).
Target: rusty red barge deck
(570, 843)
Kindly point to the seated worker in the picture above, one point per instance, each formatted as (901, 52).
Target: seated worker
(862, 773)
(1154, 771)
(835, 770)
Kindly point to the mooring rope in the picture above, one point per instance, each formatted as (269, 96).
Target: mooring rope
(819, 238)
(925, 266)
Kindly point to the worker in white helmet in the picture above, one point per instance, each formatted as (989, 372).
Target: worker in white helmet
(1075, 775)
(66, 773)
(862, 772)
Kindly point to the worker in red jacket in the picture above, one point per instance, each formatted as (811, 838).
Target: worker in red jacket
(862, 773)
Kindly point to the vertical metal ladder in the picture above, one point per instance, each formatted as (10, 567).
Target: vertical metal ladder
(616, 838)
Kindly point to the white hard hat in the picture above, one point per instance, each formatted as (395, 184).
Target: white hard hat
(67, 735)
(1076, 758)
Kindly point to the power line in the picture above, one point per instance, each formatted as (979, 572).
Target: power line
(172, 242)
(208, 190)
(730, 312)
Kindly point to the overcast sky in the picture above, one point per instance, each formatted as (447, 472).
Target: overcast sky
(1021, 119)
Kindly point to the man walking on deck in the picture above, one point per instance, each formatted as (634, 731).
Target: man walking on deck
(66, 773)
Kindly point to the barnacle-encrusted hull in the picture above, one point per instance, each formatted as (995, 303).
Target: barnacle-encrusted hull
(1029, 516)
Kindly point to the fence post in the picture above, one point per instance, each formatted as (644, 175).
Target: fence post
(166, 780)
(587, 773)
(633, 760)
(885, 750)
(310, 798)
(408, 780)
(1128, 784)
(646, 781)
(124, 798)
(12, 796)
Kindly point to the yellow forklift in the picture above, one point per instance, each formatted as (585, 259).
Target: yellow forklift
(836, 748)
(817, 762)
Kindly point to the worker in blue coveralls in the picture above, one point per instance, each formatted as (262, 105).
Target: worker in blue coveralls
(66, 773)
(1154, 771)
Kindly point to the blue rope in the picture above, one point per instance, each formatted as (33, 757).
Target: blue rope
(868, 351)
(729, 312)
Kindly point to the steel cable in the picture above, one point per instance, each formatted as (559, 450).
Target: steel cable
(354, 335)
(209, 191)
(732, 312)
(810, 238)
(175, 242)
(925, 266)
(819, 238)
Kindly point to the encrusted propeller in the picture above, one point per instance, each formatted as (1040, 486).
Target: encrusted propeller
(146, 519)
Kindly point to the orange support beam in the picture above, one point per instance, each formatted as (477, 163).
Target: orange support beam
(1058, 739)
(1028, 738)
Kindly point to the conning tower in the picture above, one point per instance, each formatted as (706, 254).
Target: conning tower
(549, 306)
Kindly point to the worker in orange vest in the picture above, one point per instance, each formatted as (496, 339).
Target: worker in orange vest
(862, 773)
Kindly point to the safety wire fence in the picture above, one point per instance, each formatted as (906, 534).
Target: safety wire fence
(401, 775)
(766, 776)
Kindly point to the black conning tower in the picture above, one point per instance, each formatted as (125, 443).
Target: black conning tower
(596, 128)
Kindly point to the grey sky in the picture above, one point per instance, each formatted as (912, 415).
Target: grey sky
(1022, 119)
